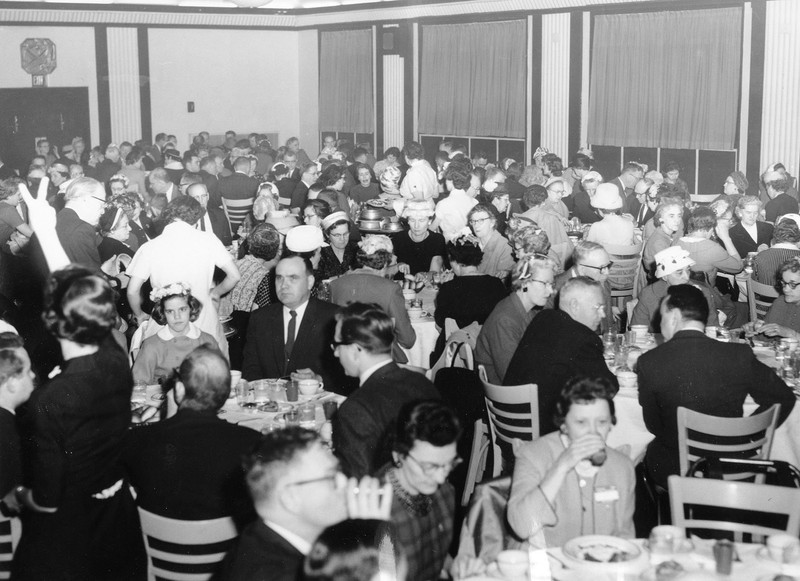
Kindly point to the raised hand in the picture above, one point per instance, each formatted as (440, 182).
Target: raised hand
(41, 215)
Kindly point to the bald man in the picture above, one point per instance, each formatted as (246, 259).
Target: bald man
(188, 466)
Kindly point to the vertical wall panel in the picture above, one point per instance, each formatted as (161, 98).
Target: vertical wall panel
(555, 83)
(393, 93)
(780, 138)
(123, 81)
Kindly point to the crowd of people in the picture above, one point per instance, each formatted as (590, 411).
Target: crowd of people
(131, 264)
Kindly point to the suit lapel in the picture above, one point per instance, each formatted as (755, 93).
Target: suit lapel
(277, 340)
(306, 329)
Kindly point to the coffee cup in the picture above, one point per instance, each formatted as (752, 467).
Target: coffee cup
(308, 386)
(512, 564)
(409, 294)
(666, 539)
(626, 378)
(783, 548)
(599, 457)
(639, 333)
(414, 314)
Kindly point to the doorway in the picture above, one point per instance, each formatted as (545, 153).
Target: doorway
(28, 114)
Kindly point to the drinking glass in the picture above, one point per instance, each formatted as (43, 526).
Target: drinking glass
(307, 414)
(261, 390)
(242, 393)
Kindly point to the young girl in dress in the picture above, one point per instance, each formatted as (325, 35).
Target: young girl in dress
(176, 309)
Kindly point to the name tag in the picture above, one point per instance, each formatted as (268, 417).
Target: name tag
(610, 494)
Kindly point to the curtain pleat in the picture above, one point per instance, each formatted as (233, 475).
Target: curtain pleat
(666, 79)
(472, 79)
(345, 81)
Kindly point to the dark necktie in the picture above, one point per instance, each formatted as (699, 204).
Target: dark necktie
(642, 211)
(203, 223)
(287, 350)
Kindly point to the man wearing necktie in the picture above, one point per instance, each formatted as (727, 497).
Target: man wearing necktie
(295, 333)
(214, 219)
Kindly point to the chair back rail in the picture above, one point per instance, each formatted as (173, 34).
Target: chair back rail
(760, 297)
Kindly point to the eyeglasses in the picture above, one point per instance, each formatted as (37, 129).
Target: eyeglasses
(429, 468)
(599, 307)
(478, 221)
(331, 477)
(605, 267)
(336, 344)
(544, 283)
(340, 235)
(102, 200)
(790, 284)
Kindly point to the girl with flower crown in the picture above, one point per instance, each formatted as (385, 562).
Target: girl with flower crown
(176, 309)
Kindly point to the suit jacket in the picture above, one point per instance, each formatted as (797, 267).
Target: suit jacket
(742, 241)
(362, 424)
(78, 238)
(212, 185)
(704, 375)
(554, 349)
(189, 467)
(219, 224)
(358, 286)
(238, 187)
(263, 350)
(561, 280)
(261, 554)
(299, 195)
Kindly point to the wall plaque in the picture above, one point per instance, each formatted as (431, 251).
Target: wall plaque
(38, 56)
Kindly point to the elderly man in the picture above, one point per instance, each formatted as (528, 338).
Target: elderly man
(109, 166)
(561, 344)
(188, 466)
(214, 220)
(160, 183)
(75, 225)
(295, 333)
(184, 254)
(553, 224)
(16, 386)
(591, 260)
(420, 181)
(308, 177)
(363, 344)
(298, 490)
(780, 202)
(699, 373)
(209, 170)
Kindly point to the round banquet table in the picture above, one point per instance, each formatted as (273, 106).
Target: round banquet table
(754, 564)
(427, 334)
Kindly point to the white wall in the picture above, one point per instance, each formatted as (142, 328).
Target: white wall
(76, 64)
(238, 79)
(308, 98)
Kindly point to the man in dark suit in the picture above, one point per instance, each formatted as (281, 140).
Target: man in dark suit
(188, 466)
(208, 173)
(750, 234)
(75, 224)
(298, 491)
(308, 177)
(363, 341)
(560, 344)
(295, 333)
(214, 219)
(625, 182)
(161, 183)
(780, 203)
(239, 187)
(699, 373)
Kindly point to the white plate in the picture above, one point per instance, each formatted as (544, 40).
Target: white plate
(600, 549)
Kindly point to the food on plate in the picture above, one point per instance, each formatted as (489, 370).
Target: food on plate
(270, 406)
(669, 570)
(604, 554)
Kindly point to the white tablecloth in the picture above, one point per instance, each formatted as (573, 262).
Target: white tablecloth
(427, 334)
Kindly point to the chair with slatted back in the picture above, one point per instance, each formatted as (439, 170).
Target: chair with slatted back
(513, 412)
(478, 456)
(237, 211)
(182, 550)
(749, 437)
(10, 531)
(769, 509)
(759, 298)
(703, 199)
(623, 273)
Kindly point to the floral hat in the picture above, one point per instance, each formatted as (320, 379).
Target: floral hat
(375, 242)
(176, 288)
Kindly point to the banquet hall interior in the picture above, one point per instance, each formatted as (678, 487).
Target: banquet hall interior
(399, 289)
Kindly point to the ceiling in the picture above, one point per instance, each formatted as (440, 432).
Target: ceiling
(272, 5)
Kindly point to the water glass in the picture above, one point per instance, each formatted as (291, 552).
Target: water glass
(330, 408)
(292, 390)
(243, 393)
(261, 390)
(307, 414)
(292, 417)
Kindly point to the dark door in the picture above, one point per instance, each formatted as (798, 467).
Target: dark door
(29, 114)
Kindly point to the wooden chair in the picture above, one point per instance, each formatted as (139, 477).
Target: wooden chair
(10, 531)
(622, 275)
(180, 550)
(477, 459)
(759, 298)
(689, 496)
(513, 412)
(237, 211)
(749, 437)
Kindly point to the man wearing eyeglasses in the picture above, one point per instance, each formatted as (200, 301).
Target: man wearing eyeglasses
(85, 200)
(298, 490)
(699, 373)
(363, 343)
(591, 260)
(560, 344)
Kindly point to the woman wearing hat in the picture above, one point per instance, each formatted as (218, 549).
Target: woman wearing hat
(582, 198)
(418, 249)
(557, 191)
(672, 268)
(340, 257)
(668, 223)
(613, 228)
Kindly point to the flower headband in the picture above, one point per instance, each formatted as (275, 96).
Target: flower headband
(375, 242)
(465, 235)
(176, 288)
